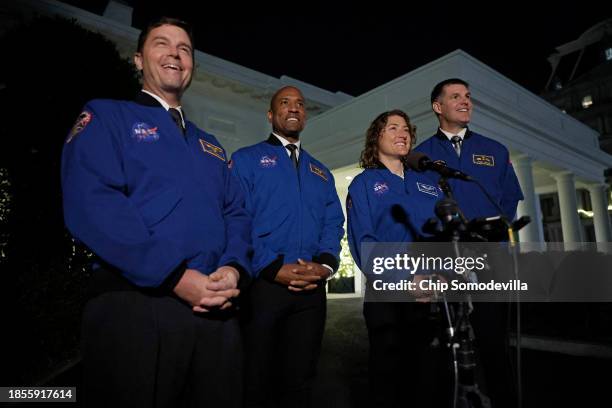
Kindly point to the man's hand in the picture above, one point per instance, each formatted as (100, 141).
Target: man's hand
(226, 277)
(313, 268)
(298, 277)
(223, 280)
(316, 268)
(205, 292)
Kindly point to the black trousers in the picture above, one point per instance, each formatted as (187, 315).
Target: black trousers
(408, 362)
(153, 351)
(283, 332)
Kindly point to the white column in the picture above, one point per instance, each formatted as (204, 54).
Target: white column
(570, 222)
(532, 232)
(601, 220)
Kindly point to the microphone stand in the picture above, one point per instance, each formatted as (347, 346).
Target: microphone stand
(466, 393)
(466, 390)
(511, 229)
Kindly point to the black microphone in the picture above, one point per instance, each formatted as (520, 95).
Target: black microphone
(400, 216)
(420, 162)
(447, 211)
(453, 220)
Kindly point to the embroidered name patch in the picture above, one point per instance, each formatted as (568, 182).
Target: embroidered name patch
(427, 189)
(319, 172)
(212, 149)
(380, 188)
(483, 160)
(143, 132)
(82, 120)
(267, 161)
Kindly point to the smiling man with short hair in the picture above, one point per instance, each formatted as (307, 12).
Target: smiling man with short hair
(152, 197)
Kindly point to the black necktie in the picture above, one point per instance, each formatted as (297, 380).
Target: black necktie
(293, 149)
(456, 140)
(176, 115)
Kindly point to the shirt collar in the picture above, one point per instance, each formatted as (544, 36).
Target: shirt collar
(285, 142)
(449, 135)
(165, 105)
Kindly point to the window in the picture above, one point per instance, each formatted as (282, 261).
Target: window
(550, 208)
(608, 52)
(587, 101)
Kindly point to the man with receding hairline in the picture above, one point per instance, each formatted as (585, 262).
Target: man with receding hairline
(297, 227)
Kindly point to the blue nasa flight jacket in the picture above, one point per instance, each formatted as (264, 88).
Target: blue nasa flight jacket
(146, 199)
(487, 161)
(382, 207)
(296, 214)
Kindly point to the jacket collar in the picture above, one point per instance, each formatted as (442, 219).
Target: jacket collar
(273, 140)
(143, 98)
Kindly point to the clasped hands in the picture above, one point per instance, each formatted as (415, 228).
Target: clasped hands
(301, 276)
(207, 292)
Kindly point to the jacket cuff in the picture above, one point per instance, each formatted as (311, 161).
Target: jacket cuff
(327, 259)
(245, 277)
(270, 271)
(173, 279)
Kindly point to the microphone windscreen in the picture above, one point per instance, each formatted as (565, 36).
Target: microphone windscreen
(415, 160)
(446, 209)
(399, 214)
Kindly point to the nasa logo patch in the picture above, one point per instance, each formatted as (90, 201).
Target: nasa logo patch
(380, 188)
(267, 162)
(144, 132)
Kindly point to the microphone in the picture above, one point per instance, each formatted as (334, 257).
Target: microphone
(420, 162)
(447, 211)
(400, 216)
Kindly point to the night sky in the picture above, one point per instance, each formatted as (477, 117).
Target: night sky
(357, 49)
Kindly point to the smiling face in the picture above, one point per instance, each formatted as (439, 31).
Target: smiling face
(166, 62)
(394, 140)
(287, 113)
(454, 107)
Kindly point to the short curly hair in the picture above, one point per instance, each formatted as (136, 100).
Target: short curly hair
(369, 155)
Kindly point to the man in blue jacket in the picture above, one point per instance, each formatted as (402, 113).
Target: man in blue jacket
(151, 195)
(297, 227)
(483, 158)
(488, 161)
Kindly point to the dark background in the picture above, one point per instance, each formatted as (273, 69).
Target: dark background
(355, 48)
